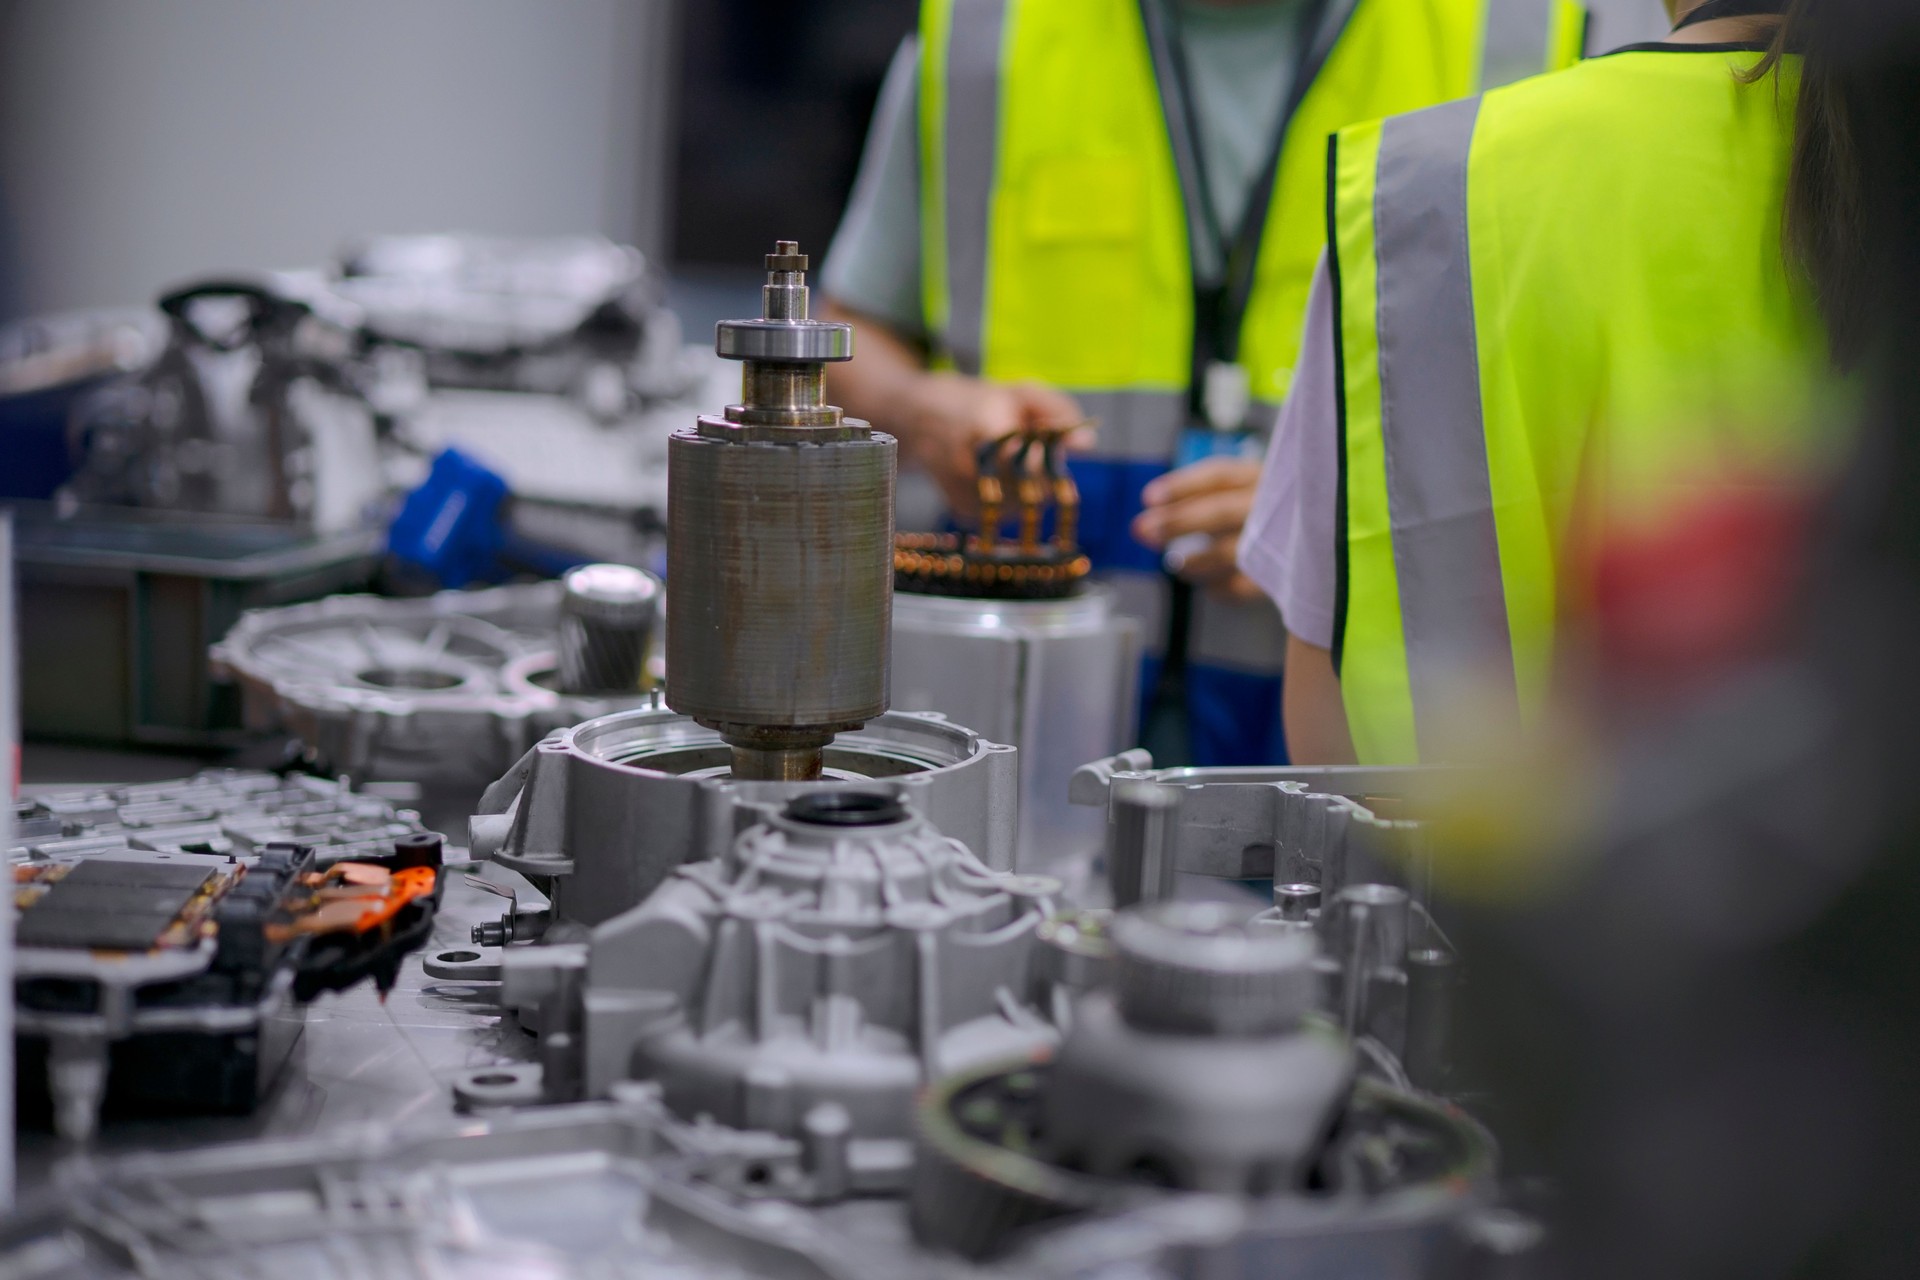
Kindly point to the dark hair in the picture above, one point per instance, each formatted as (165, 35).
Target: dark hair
(1824, 227)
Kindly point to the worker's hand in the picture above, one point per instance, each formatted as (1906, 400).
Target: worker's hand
(948, 417)
(1198, 511)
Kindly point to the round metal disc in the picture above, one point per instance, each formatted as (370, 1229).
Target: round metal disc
(792, 340)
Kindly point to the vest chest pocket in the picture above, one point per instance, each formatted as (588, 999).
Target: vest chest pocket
(1082, 201)
(1067, 299)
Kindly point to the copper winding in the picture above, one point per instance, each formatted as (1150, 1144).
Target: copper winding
(1030, 466)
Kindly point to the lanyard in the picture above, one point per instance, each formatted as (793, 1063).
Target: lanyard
(1220, 304)
(1732, 9)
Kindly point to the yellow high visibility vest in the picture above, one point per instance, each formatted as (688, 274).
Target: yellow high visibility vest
(1054, 228)
(1568, 292)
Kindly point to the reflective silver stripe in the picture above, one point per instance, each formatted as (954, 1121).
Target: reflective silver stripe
(1134, 425)
(972, 135)
(1517, 32)
(1137, 426)
(1144, 426)
(1180, 134)
(1240, 636)
(1445, 546)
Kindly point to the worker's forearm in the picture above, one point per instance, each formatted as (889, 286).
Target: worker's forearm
(1316, 718)
(877, 383)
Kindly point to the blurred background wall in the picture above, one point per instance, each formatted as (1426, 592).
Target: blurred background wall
(146, 142)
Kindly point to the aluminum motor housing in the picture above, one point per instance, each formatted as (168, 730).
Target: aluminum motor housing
(602, 812)
(1057, 678)
(843, 954)
(1202, 1069)
(446, 690)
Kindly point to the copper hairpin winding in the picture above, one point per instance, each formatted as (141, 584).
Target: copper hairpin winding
(988, 563)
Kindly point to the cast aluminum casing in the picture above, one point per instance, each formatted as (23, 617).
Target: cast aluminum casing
(1202, 1062)
(445, 690)
(1361, 881)
(602, 812)
(623, 1191)
(630, 1188)
(1059, 679)
(813, 980)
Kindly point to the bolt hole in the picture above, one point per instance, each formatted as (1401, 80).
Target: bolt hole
(459, 957)
(758, 1175)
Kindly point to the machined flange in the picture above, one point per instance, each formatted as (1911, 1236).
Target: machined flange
(604, 811)
(448, 689)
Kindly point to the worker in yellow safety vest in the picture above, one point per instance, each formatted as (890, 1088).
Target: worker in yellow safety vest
(1109, 211)
(1567, 293)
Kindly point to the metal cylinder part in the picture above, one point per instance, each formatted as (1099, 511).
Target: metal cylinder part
(1296, 903)
(780, 547)
(607, 613)
(781, 564)
(1140, 842)
(1198, 968)
(826, 1140)
(1365, 934)
(1433, 978)
(1295, 908)
(1203, 1069)
(1075, 949)
(1368, 928)
(1057, 678)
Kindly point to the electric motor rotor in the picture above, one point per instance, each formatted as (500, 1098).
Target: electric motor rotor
(779, 525)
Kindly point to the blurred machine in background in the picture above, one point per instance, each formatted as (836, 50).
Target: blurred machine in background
(252, 443)
(302, 395)
(250, 409)
(448, 690)
(581, 318)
